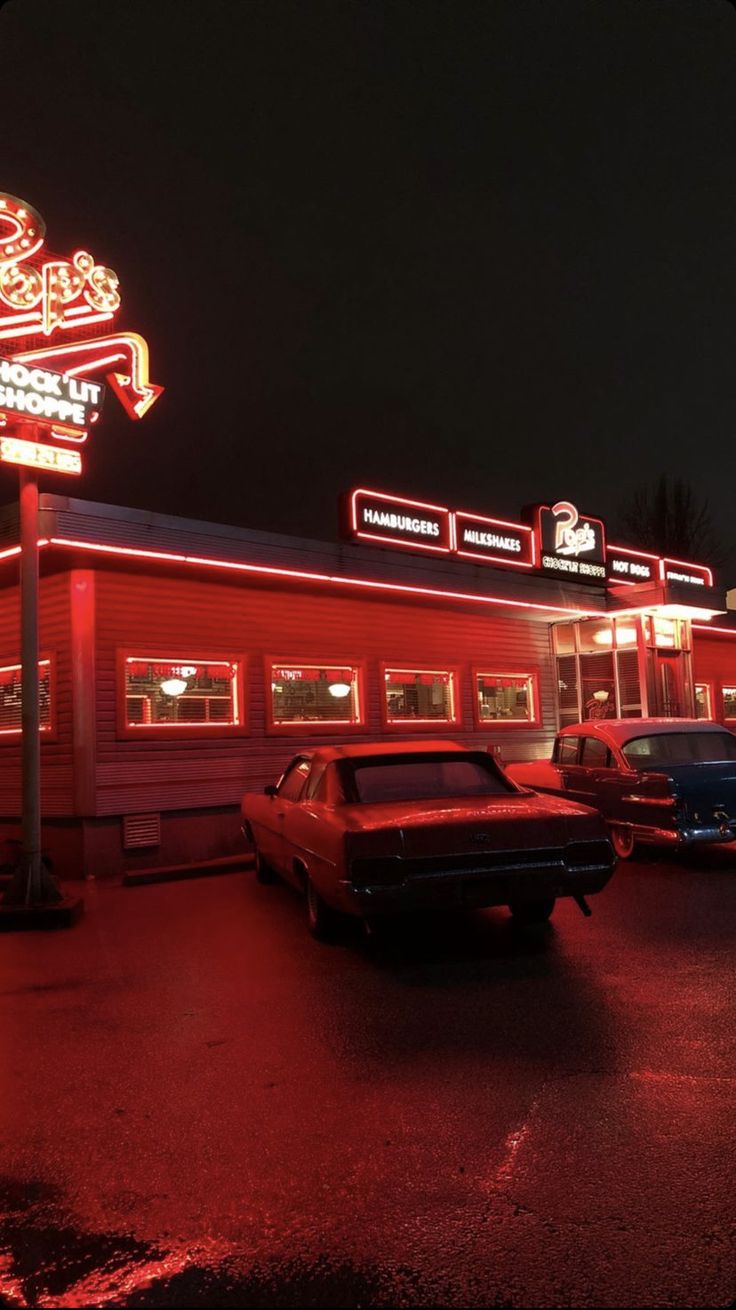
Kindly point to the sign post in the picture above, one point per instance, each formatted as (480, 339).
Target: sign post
(46, 307)
(33, 885)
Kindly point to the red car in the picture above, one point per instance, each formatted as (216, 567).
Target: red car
(377, 829)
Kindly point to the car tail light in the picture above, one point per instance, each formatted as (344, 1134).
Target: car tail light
(657, 786)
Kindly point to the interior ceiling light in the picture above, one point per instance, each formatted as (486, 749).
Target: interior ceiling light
(339, 689)
(173, 686)
(624, 637)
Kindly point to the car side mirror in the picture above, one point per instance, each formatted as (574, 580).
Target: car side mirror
(270, 790)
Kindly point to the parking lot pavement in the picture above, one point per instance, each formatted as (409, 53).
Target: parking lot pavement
(203, 1106)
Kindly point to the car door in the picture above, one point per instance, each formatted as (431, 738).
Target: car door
(599, 779)
(566, 757)
(284, 809)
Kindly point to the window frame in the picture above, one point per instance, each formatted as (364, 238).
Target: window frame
(710, 692)
(561, 737)
(726, 718)
(168, 731)
(419, 725)
(531, 675)
(311, 727)
(14, 736)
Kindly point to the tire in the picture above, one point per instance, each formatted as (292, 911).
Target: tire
(264, 873)
(622, 840)
(324, 923)
(533, 911)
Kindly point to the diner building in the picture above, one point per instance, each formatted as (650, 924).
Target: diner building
(184, 662)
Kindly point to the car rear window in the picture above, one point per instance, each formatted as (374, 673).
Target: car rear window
(425, 778)
(668, 748)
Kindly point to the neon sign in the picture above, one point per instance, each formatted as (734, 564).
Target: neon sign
(46, 304)
(53, 399)
(32, 454)
(563, 539)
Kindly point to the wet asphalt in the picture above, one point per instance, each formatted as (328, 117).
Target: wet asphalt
(202, 1106)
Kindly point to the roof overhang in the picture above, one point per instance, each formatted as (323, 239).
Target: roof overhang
(668, 600)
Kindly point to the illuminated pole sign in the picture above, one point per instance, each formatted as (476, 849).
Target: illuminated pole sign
(48, 306)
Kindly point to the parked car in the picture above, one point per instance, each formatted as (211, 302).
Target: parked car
(374, 830)
(666, 782)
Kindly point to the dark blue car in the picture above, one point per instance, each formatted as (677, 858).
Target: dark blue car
(659, 781)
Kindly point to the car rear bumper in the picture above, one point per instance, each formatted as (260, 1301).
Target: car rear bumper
(468, 889)
(688, 836)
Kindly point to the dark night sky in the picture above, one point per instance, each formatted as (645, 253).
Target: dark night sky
(482, 253)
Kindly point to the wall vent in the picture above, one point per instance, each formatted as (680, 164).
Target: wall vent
(141, 830)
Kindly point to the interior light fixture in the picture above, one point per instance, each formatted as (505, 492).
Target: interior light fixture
(173, 686)
(339, 689)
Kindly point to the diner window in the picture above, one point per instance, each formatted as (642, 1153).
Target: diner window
(597, 686)
(11, 697)
(177, 692)
(703, 708)
(314, 693)
(729, 702)
(420, 696)
(505, 697)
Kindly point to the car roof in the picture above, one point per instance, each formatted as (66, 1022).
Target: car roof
(618, 731)
(363, 750)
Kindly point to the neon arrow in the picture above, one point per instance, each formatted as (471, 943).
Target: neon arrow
(132, 387)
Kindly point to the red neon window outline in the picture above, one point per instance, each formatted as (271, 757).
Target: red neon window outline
(47, 726)
(173, 667)
(296, 672)
(422, 678)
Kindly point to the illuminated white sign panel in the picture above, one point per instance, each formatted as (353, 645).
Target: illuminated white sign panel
(570, 543)
(34, 455)
(40, 396)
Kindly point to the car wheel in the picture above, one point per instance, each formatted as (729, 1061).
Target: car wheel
(622, 840)
(533, 911)
(324, 922)
(264, 872)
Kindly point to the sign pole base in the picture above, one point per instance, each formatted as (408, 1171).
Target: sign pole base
(33, 898)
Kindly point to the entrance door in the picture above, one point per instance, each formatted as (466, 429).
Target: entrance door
(672, 689)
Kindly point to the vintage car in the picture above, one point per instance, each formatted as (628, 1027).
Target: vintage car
(373, 830)
(659, 781)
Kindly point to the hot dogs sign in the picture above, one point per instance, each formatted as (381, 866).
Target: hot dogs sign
(54, 314)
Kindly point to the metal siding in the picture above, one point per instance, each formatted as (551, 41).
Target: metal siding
(167, 615)
(714, 661)
(57, 754)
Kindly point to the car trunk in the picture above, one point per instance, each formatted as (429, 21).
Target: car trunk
(469, 826)
(705, 789)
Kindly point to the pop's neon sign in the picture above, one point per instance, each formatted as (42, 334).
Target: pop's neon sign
(47, 304)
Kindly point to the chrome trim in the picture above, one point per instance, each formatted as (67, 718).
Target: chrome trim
(651, 800)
